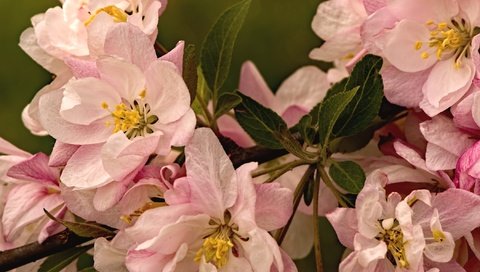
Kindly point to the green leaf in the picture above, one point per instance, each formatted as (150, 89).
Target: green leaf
(348, 175)
(83, 229)
(59, 261)
(226, 102)
(217, 49)
(262, 124)
(203, 94)
(352, 143)
(365, 106)
(329, 112)
(190, 69)
(308, 192)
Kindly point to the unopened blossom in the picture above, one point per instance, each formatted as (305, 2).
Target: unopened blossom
(215, 220)
(432, 53)
(388, 233)
(78, 29)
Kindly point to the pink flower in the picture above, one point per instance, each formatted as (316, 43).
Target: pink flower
(216, 220)
(390, 234)
(432, 52)
(120, 117)
(297, 95)
(78, 29)
(338, 23)
(32, 187)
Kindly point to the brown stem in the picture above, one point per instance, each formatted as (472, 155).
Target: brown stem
(23, 255)
(316, 229)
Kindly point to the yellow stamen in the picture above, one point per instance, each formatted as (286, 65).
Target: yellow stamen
(104, 105)
(118, 15)
(418, 45)
(425, 55)
(143, 94)
(438, 235)
(216, 248)
(124, 118)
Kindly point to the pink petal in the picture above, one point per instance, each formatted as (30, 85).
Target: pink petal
(168, 95)
(457, 211)
(243, 211)
(177, 133)
(175, 56)
(344, 221)
(130, 43)
(107, 257)
(9, 149)
(273, 207)
(262, 251)
(35, 169)
(211, 175)
(121, 156)
(305, 88)
(52, 227)
(438, 89)
(373, 5)
(396, 82)
(24, 205)
(67, 132)
(80, 202)
(82, 68)
(253, 85)
(299, 239)
(61, 153)
(109, 195)
(85, 169)
(400, 48)
(230, 128)
(127, 80)
(28, 42)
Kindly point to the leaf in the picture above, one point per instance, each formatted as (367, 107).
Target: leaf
(83, 229)
(348, 175)
(329, 112)
(365, 106)
(226, 102)
(352, 143)
(190, 69)
(59, 261)
(217, 49)
(203, 94)
(262, 124)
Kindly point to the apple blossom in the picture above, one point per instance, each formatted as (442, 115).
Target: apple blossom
(215, 219)
(78, 29)
(434, 50)
(390, 234)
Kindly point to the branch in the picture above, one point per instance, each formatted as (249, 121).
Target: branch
(17, 257)
(23, 255)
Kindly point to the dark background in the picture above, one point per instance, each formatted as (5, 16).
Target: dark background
(276, 36)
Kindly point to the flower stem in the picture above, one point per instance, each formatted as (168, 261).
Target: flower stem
(286, 166)
(316, 230)
(326, 179)
(297, 196)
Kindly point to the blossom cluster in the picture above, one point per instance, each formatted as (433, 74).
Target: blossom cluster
(385, 144)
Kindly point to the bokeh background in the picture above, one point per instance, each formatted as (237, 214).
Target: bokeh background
(276, 36)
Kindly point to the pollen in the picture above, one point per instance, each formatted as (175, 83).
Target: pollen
(425, 55)
(438, 235)
(216, 247)
(118, 15)
(418, 45)
(125, 118)
(393, 238)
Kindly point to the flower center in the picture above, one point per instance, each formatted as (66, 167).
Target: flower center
(452, 39)
(117, 14)
(392, 236)
(216, 246)
(133, 119)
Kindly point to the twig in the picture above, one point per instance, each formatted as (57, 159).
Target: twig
(23, 255)
(316, 230)
(297, 196)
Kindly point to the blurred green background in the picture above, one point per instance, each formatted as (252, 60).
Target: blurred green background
(276, 36)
